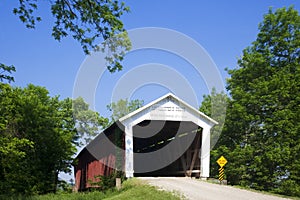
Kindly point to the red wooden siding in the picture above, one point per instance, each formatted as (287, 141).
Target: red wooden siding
(100, 159)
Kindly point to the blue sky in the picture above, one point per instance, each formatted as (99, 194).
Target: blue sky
(223, 28)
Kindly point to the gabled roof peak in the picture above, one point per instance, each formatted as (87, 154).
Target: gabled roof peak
(166, 96)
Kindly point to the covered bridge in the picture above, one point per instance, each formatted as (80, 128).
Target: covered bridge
(166, 137)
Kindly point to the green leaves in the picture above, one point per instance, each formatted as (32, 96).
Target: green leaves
(5, 71)
(88, 123)
(214, 105)
(115, 49)
(264, 112)
(123, 107)
(25, 12)
(283, 42)
(37, 137)
(13, 146)
(88, 22)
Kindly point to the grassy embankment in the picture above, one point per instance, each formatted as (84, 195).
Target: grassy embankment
(216, 181)
(131, 189)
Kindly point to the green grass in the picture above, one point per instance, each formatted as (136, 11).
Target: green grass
(266, 192)
(253, 190)
(140, 191)
(131, 189)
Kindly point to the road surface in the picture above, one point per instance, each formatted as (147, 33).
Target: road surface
(201, 190)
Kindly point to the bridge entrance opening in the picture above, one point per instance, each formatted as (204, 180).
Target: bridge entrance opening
(166, 148)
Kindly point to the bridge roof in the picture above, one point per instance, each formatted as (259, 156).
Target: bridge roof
(169, 97)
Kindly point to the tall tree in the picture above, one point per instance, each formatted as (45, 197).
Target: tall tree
(37, 139)
(265, 109)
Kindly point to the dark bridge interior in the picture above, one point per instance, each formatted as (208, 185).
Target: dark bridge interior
(184, 139)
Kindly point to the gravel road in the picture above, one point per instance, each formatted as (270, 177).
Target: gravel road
(201, 190)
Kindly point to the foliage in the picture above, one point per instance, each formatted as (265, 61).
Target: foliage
(106, 182)
(261, 138)
(37, 139)
(86, 21)
(115, 49)
(64, 187)
(88, 123)
(214, 105)
(123, 107)
(4, 71)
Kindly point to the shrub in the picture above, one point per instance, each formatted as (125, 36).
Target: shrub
(104, 183)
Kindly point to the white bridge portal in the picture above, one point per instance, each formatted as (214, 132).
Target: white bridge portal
(159, 117)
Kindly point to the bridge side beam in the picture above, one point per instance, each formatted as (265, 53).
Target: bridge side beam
(205, 153)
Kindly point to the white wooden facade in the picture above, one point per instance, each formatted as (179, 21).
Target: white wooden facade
(168, 108)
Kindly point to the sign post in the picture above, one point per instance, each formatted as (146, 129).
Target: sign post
(221, 161)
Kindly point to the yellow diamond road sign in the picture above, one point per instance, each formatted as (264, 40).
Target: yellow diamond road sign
(222, 161)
